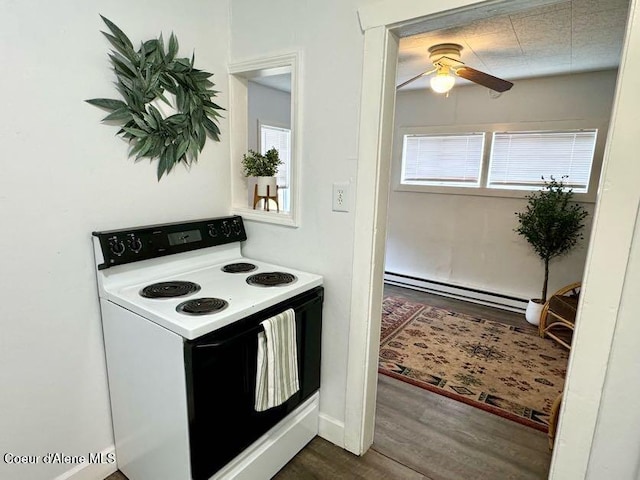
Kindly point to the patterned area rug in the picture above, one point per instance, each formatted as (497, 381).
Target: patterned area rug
(505, 370)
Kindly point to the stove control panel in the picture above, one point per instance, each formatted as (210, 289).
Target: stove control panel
(142, 243)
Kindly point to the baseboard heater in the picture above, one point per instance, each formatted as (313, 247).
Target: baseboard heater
(483, 297)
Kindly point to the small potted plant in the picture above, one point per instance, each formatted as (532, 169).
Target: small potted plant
(552, 225)
(263, 168)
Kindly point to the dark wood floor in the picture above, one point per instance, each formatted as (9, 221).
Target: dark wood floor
(424, 436)
(504, 316)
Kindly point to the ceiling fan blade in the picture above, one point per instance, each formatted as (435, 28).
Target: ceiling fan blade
(484, 79)
(426, 72)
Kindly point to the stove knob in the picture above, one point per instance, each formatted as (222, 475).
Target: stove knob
(135, 244)
(226, 229)
(116, 246)
(212, 231)
(236, 227)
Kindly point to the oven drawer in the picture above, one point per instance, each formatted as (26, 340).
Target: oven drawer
(221, 376)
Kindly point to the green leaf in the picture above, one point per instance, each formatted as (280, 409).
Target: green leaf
(193, 148)
(211, 127)
(150, 45)
(160, 44)
(182, 150)
(150, 120)
(117, 32)
(156, 146)
(173, 48)
(120, 114)
(122, 67)
(202, 136)
(138, 146)
(161, 166)
(107, 103)
(200, 74)
(140, 123)
(148, 144)
(177, 119)
(172, 159)
(143, 57)
(136, 132)
(165, 162)
(156, 114)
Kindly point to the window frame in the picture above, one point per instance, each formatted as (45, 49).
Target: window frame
(482, 191)
(239, 76)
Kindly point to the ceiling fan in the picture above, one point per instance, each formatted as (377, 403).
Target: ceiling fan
(446, 62)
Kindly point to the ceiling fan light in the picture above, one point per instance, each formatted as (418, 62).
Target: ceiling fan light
(442, 82)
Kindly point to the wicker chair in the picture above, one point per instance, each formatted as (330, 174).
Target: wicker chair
(553, 420)
(558, 317)
(557, 321)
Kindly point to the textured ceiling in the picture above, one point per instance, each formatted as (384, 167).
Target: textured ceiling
(565, 37)
(280, 82)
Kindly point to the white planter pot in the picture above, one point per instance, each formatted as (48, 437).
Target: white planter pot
(534, 309)
(263, 183)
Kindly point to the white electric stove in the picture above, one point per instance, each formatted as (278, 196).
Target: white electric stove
(181, 310)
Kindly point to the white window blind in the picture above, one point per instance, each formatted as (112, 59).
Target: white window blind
(280, 139)
(452, 160)
(519, 160)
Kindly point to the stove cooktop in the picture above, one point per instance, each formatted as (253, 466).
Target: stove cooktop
(189, 315)
(190, 277)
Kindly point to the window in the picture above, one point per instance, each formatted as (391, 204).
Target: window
(280, 139)
(449, 160)
(500, 161)
(520, 159)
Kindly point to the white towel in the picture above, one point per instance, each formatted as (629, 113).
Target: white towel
(277, 373)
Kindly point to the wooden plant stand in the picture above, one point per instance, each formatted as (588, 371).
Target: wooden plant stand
(266, 198)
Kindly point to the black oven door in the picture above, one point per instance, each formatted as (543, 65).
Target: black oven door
(221, 377)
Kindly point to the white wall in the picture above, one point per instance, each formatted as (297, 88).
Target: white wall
(268, 106)
(64, 175)
(331, 43)
(469, 240)
(619, 425)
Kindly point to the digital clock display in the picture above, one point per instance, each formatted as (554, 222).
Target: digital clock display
(182, 238)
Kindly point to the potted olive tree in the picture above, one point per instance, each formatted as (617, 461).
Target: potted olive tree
(552, 225)
(261, 169)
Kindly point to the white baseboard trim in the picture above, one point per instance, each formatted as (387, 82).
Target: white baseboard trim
(93, 470)
(331, 429)
(491, 299)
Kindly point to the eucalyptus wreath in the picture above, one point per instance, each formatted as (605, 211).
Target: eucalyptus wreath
(146, 75)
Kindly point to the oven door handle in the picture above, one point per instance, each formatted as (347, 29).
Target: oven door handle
(223, 342)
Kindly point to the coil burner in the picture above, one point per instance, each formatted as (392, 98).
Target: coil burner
(171, 289)
(202, 306)
(271, 279)
(240, 267)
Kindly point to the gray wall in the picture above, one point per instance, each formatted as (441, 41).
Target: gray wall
(269, 106)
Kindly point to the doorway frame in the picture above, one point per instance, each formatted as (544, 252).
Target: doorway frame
(605, 268)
